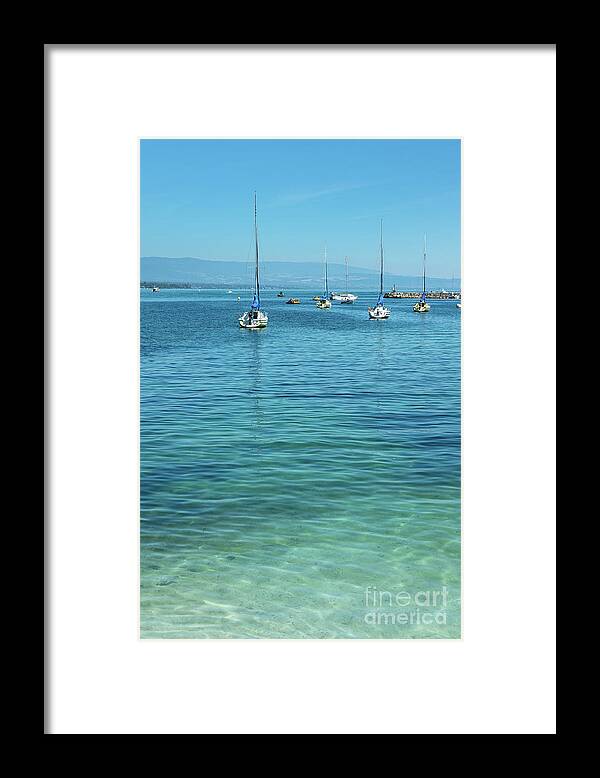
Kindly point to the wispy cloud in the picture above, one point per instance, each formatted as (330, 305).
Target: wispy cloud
(406, 205)
(293, 198)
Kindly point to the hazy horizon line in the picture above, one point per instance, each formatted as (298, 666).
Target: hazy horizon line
(294, 261)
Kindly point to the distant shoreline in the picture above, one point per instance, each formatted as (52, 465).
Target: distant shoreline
(432, 294)
(189, 273)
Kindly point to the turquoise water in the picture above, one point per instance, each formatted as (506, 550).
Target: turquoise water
(301, 481)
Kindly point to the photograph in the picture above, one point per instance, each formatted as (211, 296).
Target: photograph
(300, 388)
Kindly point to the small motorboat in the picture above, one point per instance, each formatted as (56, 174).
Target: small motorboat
(293, 301)
(280, 294)
(156, 289)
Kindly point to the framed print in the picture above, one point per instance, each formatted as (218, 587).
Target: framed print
(290, 478)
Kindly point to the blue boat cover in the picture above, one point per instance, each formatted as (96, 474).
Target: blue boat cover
(255, 303)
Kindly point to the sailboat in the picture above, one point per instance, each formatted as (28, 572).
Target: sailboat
(255, 319)
(379, 311)
(347, 298)
(423, 306)
(324, 301)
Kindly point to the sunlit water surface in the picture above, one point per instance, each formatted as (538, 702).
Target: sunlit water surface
(301, 481)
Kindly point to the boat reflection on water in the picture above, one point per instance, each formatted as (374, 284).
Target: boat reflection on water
(255, 382)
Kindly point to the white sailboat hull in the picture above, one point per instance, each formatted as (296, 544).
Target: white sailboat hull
(252, 320)
(324, 304)
(379, 312)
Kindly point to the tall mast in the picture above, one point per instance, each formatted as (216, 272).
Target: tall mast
(346, 263)
(381, 252)
(424, 260)
(326, 285)
(257, 287)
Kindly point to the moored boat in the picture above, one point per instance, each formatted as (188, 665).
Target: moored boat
(379, 311)
(422, 306)
(255, 319)
(347, 298)
(324, 301)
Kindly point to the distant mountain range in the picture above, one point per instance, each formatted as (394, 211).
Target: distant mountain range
(293, 275)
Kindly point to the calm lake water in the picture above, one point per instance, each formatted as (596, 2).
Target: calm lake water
(301, 481)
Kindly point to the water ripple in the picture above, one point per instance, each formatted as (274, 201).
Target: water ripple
(286, 470)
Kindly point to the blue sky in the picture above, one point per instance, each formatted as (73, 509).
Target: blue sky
(196, 200)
